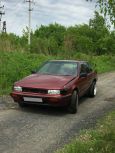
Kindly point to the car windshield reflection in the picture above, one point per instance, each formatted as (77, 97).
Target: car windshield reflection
(58, 68)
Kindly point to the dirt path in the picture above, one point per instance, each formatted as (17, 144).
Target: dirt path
(44, 129)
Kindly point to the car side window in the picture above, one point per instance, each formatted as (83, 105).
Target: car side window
(89, 69)
(83, 68)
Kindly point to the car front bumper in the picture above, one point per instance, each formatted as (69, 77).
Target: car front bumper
(53, 100)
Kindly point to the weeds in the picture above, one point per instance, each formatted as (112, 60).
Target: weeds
(99, 140)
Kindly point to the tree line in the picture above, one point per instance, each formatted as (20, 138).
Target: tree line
(93, 38)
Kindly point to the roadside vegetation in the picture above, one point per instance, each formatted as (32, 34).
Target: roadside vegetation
(93, 38)
(93, 42)
(98, 140)
(16, 65)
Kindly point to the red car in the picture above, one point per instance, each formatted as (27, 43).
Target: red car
(57, 83)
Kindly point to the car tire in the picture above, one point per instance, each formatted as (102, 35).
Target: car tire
(73, 106)
(21, 104)
(92, 90)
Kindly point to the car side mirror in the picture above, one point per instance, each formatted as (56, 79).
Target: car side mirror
(33, 71)
(83, 75)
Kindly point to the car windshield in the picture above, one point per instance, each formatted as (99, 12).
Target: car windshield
(59, 68)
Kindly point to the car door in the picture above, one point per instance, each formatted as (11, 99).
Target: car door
(83, 85)
(89, 74)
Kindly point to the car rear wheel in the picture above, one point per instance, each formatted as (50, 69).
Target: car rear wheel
(93, 90)
(73, 106)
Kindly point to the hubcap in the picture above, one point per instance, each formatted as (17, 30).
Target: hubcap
(95, 90)
(77, 101)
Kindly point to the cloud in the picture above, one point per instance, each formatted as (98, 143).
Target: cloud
(44, 12)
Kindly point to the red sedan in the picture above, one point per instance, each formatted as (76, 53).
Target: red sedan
(57, 83)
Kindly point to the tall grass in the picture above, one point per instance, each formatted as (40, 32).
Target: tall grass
(16, 65)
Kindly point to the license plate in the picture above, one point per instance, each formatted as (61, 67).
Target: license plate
(37, 100)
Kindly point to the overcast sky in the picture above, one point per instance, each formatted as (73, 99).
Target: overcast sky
(65, 12)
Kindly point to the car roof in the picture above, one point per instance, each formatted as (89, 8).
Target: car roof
(76, 61)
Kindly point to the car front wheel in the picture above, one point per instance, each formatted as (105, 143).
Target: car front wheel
(73, 106)
(21, 104)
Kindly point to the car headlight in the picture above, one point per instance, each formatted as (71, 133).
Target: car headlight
(54, 92)
(17, 88)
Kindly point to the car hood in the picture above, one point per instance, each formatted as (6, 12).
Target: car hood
(44, 81)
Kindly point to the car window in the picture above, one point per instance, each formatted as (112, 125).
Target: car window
(89, 68)
(83, 68)
(68, 68)
(59, 68)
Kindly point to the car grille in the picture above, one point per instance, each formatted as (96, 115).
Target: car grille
(34, 90)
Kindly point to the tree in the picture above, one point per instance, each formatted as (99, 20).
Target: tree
(78, 39)
(107, 7)
(100, 34)
(56, 31)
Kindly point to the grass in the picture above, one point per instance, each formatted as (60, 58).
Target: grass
(99, 140)
(16, 65)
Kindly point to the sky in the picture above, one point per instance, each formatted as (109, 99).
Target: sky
(65, 12)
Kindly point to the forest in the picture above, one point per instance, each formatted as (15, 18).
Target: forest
(95, 38)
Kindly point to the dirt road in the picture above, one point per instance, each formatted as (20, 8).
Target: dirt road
(44, 129)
